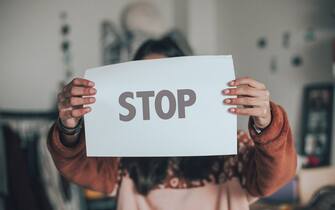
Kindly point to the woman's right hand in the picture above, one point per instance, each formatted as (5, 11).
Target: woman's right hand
(71, 101)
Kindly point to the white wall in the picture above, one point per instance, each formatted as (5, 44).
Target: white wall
(241, 23)
(203, 26)
(234, 26)
(30, 56)
(31, 60)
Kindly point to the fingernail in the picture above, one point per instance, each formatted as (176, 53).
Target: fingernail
(92, 91)
(226, 91)
(92, 99)
(88, 109)
(91, 84)
(233, 110)
(232, 83)
(227, 101)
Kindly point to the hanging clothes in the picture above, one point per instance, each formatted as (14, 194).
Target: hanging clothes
(33, 181)
(3, 170)
(62, 194)
(20, 188)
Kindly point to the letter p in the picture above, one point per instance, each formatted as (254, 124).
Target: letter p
(182, 103)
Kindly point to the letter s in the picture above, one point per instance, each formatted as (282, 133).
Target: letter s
(124, 104)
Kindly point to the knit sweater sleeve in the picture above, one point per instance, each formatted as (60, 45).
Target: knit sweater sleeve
(95, 173)
(271, 162)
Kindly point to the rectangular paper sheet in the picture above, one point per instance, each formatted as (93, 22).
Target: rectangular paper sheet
(206, 129)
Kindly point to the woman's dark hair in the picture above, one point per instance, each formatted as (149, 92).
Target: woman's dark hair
(148, 172)
(165, 46)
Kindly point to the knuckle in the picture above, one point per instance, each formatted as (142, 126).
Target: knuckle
(247, 78)
(267, 93)
(244, 111)
(255, 101)
(263, 112)
(265, 103)
(242, 100)
(248, 100)
(87, 91)
(73, 101)
(238, 90)
(239, 111)
(232, 91)
(73, 91)
(236, 100)
(61, 111)
(74, 113)
(87, 100)
(246, 90)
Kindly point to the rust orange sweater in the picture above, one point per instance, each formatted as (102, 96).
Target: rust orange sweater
(265, 162)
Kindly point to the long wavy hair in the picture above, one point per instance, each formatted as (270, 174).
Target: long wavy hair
(148, 172)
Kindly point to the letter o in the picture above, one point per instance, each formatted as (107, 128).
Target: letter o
(172, 104)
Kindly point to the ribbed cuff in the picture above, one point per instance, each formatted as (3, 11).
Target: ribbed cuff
(58, 147)
(272, 131)
(70, 131)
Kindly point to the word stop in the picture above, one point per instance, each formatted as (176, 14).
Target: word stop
(180, 103)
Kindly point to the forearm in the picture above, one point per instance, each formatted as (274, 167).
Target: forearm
(69, 140)
(99, 174)
(273, 160)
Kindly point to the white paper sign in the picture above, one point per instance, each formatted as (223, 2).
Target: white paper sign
(162, 107)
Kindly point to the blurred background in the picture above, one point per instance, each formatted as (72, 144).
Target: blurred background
(289, 45)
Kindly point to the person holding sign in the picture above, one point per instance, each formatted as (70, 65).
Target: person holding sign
(264, 163)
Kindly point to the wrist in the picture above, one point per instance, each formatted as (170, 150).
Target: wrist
(69, 131)
(273, 130)
(257, 129)
(264, 121)
(259, 125)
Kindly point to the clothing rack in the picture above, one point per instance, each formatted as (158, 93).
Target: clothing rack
(7, 116)
(27, 123)
(30, 127)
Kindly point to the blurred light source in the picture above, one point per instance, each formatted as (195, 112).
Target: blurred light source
(143, 17)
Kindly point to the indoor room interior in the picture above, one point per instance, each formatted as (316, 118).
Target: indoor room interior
(289, 45)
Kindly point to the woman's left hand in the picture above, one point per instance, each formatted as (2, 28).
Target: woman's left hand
(253, 99)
